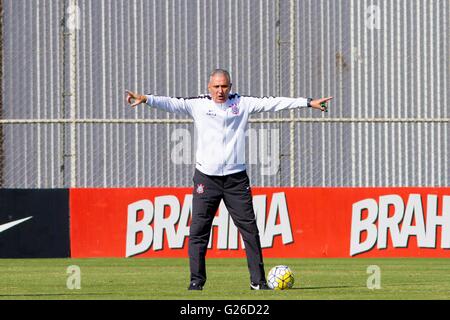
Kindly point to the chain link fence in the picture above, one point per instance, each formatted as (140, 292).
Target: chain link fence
(66, 64)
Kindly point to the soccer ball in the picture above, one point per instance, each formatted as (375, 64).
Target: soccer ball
(280, 278)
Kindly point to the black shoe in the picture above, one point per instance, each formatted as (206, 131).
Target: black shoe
(195, 286)
(260, 286)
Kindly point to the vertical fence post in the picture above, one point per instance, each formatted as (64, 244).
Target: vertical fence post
(73, 28)
(63, 94)
(278, 75)
(292, 85)
(2, 159)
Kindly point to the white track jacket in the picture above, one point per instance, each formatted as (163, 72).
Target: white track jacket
(221, 128)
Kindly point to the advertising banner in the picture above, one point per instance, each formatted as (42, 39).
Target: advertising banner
(293, 222)
(34, 223)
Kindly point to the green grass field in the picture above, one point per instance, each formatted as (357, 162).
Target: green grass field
(167, 279)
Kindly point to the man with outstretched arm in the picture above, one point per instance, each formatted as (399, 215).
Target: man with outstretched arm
(221, 121)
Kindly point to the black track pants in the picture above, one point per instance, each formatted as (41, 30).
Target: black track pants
(235, 191)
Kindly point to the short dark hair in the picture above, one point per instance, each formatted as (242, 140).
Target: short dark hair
(221, 71)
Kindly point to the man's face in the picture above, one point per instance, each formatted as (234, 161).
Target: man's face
(219, 87)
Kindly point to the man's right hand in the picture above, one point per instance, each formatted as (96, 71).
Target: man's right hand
(138, 99)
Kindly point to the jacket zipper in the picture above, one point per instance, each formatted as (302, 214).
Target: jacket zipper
(224, 141)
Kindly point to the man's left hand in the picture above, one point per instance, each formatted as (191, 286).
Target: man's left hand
(321, 103)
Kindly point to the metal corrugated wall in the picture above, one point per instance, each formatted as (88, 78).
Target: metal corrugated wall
(32, 89)
(385, 62)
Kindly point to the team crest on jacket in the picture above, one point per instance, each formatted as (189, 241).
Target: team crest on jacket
(234, 108)
(200, 188)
